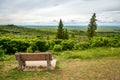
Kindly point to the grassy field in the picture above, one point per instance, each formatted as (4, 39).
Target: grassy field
(105, 67)
(96, 63)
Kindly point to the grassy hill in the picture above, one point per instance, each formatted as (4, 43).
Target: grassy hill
(23, 32)
(13, 31)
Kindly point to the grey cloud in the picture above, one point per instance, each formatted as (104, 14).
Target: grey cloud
(18, 10)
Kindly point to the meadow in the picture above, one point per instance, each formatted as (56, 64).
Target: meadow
(78, 58)
(83, 67)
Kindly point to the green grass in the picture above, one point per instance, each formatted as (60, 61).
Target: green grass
(87, 66)
(94, 53)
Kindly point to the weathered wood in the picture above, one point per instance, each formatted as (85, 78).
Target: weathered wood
(20, 62)
(22, 57)
(48, 61)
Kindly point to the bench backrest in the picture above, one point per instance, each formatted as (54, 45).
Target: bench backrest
(33, 56)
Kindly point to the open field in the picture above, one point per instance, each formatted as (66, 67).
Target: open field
(103, 68)
(77, 58)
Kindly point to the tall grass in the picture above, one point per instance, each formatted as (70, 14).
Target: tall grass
(95, 53)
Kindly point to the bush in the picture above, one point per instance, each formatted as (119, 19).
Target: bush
(50, 44)
(68, 44)
(99, 42)
(18, 45)
(82, 45)
(57, 48)
(41, 45)
(5, 43)
(104, 42)
(2, 53)
(114, 43)
(58, 41)
(3, 57)
(29, 49)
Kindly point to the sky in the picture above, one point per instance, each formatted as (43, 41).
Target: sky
(51, 11)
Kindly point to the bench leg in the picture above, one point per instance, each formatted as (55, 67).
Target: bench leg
(48, 64)
(21, 65)
(48, 61)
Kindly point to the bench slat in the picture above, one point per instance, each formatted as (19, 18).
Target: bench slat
(34, 56)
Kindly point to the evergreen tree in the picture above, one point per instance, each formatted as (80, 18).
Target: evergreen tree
(61, 33)
(66, 36)
(92, 26)
(60, 30)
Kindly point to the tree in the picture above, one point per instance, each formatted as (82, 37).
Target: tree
(65, 34)
(61, 33)
(60, 30)
(92, 26)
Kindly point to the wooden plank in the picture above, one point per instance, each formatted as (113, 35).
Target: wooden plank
(34, 56)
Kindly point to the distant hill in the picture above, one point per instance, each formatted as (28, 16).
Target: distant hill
(69, 26)
(22, 32)
(44, 31)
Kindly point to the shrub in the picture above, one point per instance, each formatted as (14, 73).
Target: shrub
(68, 44)
(99, 42)
(29, 49)
(104, 42)
(82, 45)
(114, 43)
(17, 46)
(41, 45)
(57, 48)
(50, 44)
(3, 57)
(34, 47)
(58, 41)
(13, 45)
(2, 53)
(22, 45)
(5, 43)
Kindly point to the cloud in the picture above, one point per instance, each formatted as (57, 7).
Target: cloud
(50, 11)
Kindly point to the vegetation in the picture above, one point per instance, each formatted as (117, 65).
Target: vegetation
(61, 33)
(97, 58)
(92, 26)
(57, 48)
(19, 32)
(96, 53)
(65, 34)
(104, 63)
(60, 30)
(10, 46)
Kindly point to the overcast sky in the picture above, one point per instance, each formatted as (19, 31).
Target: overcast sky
(51, 11)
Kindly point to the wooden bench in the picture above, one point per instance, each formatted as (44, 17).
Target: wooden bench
(22, 57)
